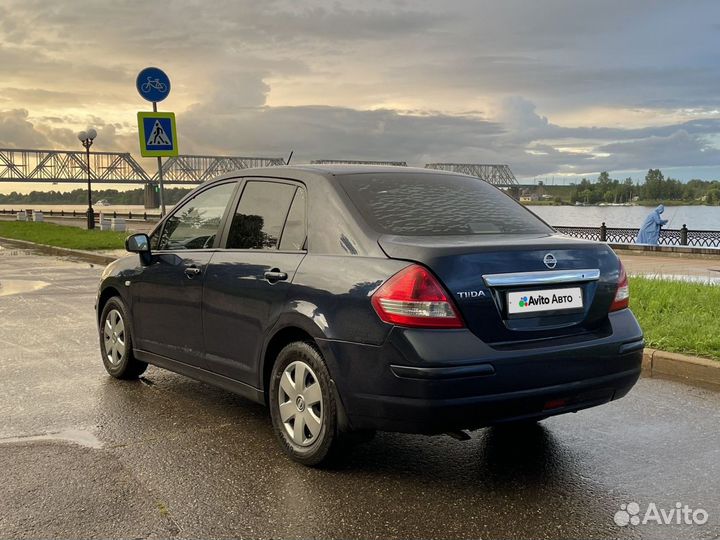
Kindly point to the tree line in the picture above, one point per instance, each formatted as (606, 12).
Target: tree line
(79, 196)
(656, 188)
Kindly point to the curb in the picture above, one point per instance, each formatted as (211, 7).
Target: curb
(86, 256)
(688, 369)
(685, 252)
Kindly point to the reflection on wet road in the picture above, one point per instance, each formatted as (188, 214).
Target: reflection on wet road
(172, 457)
(18, 286)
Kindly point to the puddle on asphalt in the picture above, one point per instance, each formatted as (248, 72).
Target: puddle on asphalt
(19, 286)
(77, 436)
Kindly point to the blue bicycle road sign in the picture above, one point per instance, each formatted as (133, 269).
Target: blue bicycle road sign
(153, 84)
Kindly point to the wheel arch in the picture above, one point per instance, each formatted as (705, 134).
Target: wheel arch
(282, 337)
(300, 329)
(106, 294)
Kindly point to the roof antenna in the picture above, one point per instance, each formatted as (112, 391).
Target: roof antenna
(289, 157)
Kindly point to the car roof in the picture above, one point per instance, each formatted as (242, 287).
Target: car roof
(337, 169)
(327, 170)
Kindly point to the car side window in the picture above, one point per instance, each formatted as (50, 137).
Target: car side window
(260, 216)
(295, 232)
(195, 224)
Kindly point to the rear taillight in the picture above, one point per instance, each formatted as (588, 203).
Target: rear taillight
(622, 294)
(413, 297)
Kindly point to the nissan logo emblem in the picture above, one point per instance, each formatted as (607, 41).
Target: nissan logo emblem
(550, 261)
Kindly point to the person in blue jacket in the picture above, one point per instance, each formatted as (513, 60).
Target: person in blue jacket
(649, 232)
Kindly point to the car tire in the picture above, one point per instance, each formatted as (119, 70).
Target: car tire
(303, 408)
(116, 343)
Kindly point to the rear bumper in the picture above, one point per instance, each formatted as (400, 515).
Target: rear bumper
(428, 415)
(429, 381)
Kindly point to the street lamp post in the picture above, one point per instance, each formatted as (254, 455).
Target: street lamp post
(87, 138)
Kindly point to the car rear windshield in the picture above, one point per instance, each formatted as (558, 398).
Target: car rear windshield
(408, 204)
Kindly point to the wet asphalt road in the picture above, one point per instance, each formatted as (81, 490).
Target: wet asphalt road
(84, 455)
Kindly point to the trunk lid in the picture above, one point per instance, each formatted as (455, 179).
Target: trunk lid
(480, 270)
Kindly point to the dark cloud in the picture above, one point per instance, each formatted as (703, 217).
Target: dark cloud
(330, 132)
(326, 132)
(39, 96)
(316, 132)
(376, 80)
(675, 150)
(17, 132)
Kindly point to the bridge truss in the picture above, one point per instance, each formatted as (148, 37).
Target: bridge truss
(497, 175)
(66, 166)
(17, 165)
(198, 169)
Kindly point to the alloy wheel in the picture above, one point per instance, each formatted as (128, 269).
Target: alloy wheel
(114, 337)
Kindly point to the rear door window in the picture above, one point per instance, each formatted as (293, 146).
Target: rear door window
(408, 204)
(260, 216)
(295, 232)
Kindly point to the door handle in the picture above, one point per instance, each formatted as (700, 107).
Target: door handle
(275, 275)
(192, 271)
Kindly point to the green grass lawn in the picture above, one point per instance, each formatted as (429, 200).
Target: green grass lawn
(678, 316)
(62, 236)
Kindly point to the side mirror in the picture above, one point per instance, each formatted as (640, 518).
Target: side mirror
(138, 243)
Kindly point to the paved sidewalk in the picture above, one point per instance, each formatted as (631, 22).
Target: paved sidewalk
(672, 267)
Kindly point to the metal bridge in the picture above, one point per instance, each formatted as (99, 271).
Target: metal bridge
(67, 166)
(64, 166)
(198, 169)
(497, 175)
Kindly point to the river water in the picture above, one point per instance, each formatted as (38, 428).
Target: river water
(695, 217)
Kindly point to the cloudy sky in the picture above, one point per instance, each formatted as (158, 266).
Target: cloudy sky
(550, 87)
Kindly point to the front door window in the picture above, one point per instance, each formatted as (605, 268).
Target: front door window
(195, 224)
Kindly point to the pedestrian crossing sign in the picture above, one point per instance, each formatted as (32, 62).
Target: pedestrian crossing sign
(158, 137)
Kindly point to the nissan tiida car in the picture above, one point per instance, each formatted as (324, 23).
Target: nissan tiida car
(355, 299)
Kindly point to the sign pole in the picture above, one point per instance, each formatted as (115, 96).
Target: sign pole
(160, 178)
(158, 138)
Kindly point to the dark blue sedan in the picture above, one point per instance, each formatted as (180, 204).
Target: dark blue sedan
(355, 299)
